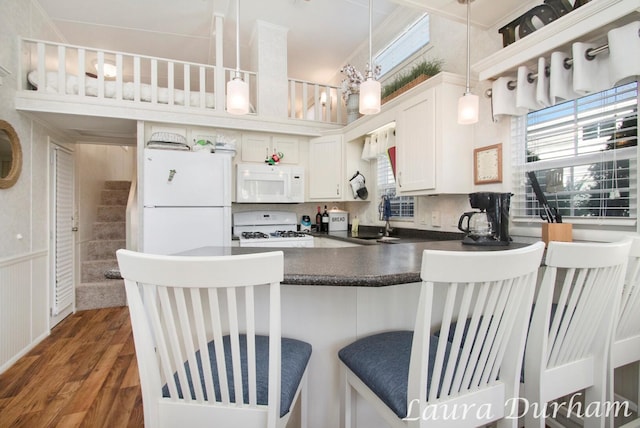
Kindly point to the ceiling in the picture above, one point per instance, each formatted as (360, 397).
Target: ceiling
(322, 34)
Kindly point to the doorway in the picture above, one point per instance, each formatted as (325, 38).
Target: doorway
(62, 296)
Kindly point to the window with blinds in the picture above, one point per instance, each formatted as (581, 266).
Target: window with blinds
(584, 154)
(401, 206)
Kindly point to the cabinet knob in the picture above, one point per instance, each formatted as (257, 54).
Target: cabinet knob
(337, 190)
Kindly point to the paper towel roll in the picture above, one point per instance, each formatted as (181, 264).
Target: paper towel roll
(525, 90)
(589, 75)
(503, 99)
(542, 86)
(560, 79)
(624, 53)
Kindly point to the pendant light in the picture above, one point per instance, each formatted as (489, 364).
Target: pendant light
(237, 89)
(468, 103)
(370, 88)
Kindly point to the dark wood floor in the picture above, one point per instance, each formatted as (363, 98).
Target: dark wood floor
(83, 375)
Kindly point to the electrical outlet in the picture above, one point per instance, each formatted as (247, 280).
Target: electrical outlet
(435, 219)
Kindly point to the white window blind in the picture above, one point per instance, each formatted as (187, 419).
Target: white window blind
(401, 206)
(584, 154)
(402, 47)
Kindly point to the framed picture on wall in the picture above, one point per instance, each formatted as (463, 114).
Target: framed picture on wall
(487, 164)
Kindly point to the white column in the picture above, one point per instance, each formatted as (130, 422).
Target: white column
(269, 59)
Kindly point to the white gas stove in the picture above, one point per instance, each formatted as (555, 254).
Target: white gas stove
(269, 229)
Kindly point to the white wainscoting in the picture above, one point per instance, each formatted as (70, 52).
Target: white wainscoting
(23, 305)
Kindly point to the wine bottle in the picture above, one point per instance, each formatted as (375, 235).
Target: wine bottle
(325, 220)
(319, 220)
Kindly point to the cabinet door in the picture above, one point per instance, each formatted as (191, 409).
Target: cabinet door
(326, 168)
(258, 147)
(288, 146)
(416, 145)
(255, 147)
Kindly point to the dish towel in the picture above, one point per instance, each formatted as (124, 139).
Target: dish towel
(503, 99)
(525, 90)
(366, 149)
(373, 149)
(386, 211)
(542, 88)
(590, 75)
(560, 80)
(622, 64)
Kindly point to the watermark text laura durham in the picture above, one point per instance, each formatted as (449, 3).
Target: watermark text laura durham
(517, 408)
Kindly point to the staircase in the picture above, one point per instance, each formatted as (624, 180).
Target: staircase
(95, 290)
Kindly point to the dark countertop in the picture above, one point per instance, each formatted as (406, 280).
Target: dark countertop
(365, 266)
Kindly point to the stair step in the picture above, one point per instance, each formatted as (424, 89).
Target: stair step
(108, 213)
(95, 290)
(117, 185)
(114, 197)
(94, 270)
(109, 230)
(103, 294)
(104, 249)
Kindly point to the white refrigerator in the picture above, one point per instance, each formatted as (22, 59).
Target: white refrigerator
(187, 200)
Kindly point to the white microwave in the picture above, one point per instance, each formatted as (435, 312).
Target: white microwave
(269, 183)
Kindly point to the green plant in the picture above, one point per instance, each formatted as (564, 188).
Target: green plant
(429, 67)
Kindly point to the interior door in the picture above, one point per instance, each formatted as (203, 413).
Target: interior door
(62, 222)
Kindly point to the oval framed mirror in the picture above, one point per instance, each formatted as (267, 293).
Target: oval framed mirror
(10, 155)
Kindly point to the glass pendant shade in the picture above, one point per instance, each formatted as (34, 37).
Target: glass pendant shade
(237, 96)
(370, 96)
(468, 109)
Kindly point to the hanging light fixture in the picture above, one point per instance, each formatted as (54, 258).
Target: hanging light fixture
(468, 103)
(237, 89)
(370, 88)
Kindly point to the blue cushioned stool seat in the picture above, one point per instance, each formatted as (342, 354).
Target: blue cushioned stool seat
(295, 355)
(381, 361)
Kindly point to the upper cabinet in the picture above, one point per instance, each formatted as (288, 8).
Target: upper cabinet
(416, 139)
(259, 147)
(326, 168)
(434, 153)
(332, 164)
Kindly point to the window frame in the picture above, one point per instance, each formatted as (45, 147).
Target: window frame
(406, 202)
(520, 209)
(392, 46)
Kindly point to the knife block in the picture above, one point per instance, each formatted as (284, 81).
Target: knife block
(562, 232)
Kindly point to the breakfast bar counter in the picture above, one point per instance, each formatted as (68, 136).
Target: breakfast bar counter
(361, 266)
(333, 296)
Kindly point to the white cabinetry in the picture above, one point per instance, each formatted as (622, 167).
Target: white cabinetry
(434, 153)
(326, 168)
(257, 147)
(332, 163)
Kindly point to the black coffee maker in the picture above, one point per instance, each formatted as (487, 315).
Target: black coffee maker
(490, 225)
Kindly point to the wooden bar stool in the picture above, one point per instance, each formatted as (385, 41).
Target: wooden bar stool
(571, 330)
(416, 379)
(208, 345)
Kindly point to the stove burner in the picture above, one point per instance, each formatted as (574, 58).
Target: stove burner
(288, 234)
(254, 235)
